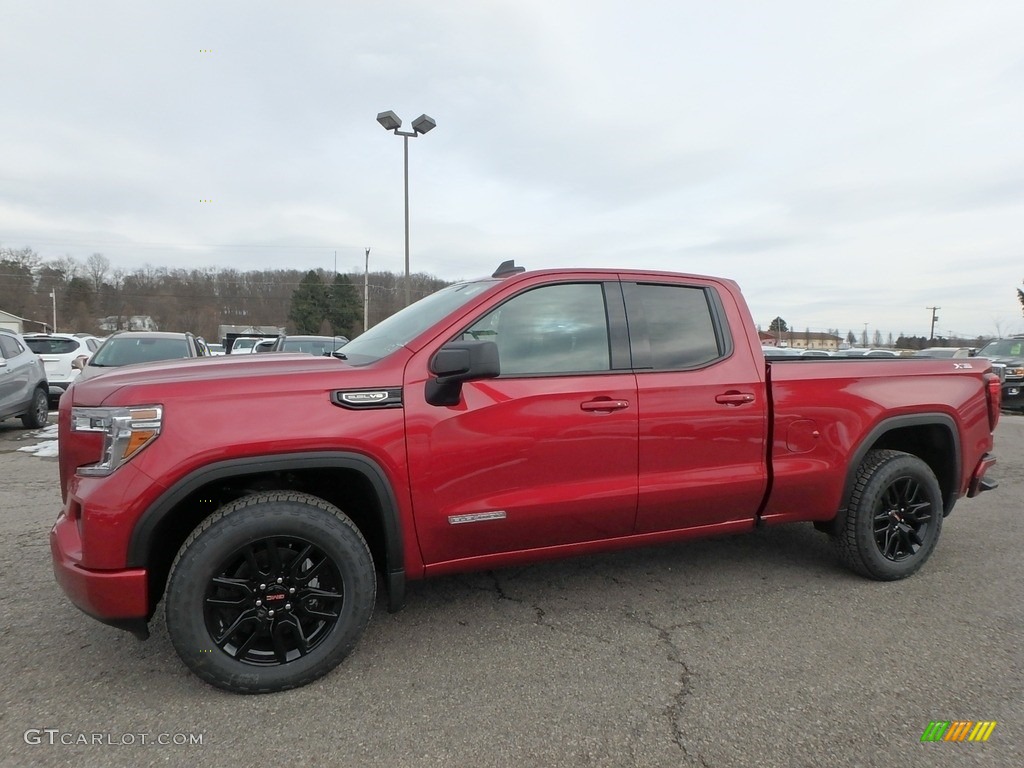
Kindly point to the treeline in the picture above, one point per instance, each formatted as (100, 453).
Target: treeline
(197, 300)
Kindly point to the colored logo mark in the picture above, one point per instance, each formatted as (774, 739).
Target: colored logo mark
(958, 730)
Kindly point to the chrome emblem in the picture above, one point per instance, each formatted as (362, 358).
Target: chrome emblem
(476, 517)
(362, 398)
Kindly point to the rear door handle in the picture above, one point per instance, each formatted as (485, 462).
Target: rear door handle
(604, 405)
(734, 398)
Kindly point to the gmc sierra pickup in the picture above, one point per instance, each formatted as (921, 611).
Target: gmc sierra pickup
(499, 421)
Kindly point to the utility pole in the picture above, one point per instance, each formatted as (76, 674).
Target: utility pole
(366, 293)
(935, 319)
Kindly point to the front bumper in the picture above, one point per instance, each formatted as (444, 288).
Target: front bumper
(117, 597)
(1013, 396)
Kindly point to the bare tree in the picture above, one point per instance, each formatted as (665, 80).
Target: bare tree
(97, 267)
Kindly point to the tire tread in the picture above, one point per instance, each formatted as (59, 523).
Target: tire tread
(229, 511)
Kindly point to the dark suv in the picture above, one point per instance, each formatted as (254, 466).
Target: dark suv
(1009, 353)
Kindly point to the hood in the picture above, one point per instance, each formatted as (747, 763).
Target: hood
(230, 375)
(1014, 362)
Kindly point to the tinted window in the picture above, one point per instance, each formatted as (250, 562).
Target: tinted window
(52, 346)
(122, 351)
(554, 329)
(9, 346)
(679, 325)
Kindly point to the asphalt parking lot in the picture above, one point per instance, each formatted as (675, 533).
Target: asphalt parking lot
(749, 650)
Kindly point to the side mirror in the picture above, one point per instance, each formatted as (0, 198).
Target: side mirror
(79, 363)
(458, 362)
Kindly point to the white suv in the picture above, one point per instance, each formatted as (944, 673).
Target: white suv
(58, 351)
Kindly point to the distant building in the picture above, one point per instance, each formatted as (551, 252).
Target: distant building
(810, 340)
(14, 323)
(127, 323)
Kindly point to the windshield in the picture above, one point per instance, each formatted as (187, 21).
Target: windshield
(402, 327)
(125, 351)
(1004, 348)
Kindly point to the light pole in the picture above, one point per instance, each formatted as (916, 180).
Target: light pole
(53, 295)
(366, 293)
(422, 124)
(935, 319)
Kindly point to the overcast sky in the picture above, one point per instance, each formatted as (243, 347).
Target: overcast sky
(845, 162)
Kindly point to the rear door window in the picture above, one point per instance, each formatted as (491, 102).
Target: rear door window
(672, 326)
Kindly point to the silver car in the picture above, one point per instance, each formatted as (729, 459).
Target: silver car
(24, 391)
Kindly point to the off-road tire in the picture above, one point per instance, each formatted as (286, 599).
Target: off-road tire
(229, 611)
(893, 519)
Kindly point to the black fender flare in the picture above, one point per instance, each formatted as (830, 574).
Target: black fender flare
(147, 527)
(866, 443)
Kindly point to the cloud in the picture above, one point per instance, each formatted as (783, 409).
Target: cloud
(831, 157)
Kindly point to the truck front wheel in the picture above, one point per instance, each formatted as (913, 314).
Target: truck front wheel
(270, 593)
(892, 522)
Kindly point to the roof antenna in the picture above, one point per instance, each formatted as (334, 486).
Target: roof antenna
(507, 268)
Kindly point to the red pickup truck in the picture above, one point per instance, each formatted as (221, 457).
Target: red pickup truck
(500, 421)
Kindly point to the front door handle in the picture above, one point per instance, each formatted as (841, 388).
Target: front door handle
(604, 405)
(734, 398)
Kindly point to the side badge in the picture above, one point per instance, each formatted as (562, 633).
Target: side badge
(477, 517)
(361, 399)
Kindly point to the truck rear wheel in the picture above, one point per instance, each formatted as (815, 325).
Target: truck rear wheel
(270, 593)
(892, 522)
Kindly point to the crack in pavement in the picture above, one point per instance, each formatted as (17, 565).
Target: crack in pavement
(674, 711)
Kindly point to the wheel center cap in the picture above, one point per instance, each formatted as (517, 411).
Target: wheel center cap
(275, 598)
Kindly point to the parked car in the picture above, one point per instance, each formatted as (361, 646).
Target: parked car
(313, 345)
(58, 352)
(863, 352)
(780, 351)
(24, 391)
(943, 352)
(244, 344)
(1009, 353)
(129, 347)
(215, 349)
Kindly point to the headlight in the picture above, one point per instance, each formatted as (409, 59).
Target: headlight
(1015, 371)
(126, 431)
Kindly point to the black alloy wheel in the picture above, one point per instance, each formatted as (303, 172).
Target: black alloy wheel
(273, 601)
(893, 518)
(270, 592)
(902, 516)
